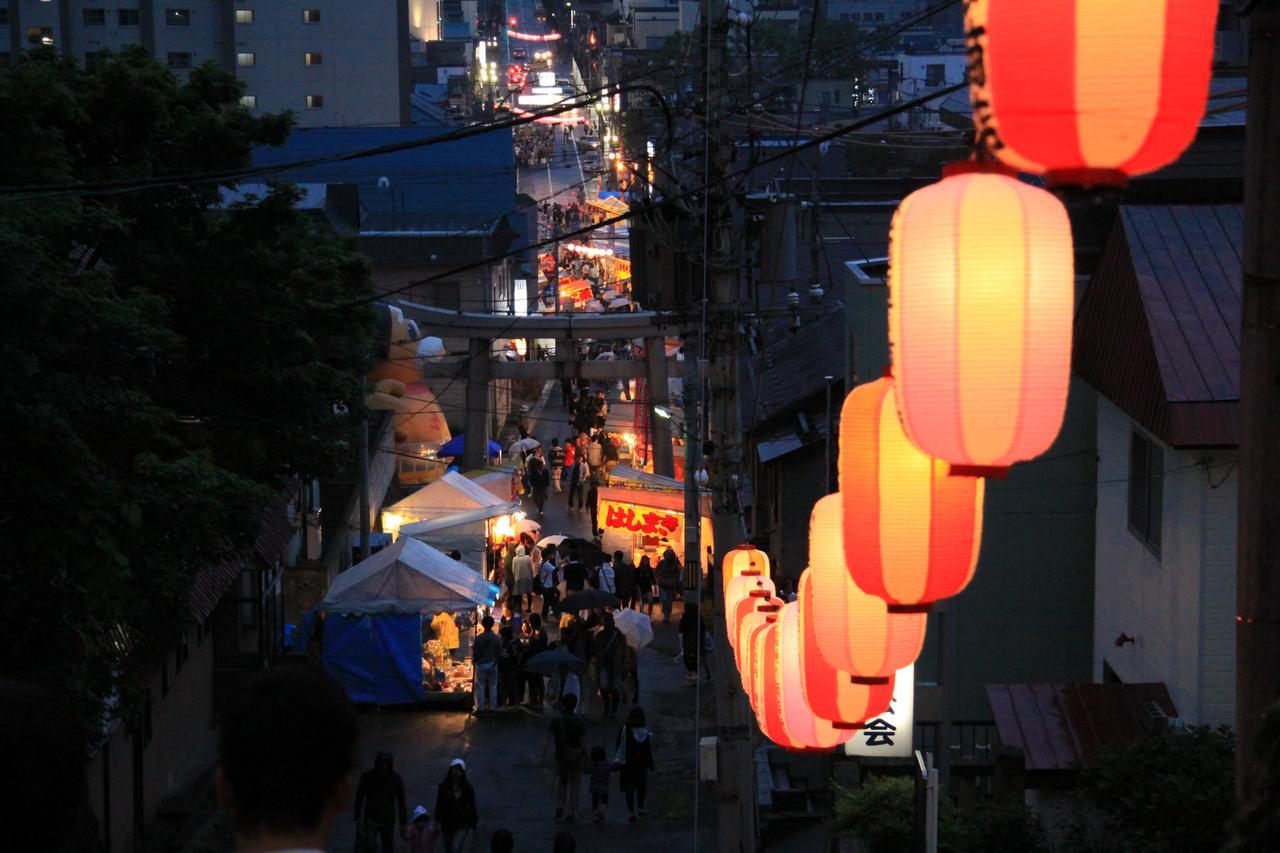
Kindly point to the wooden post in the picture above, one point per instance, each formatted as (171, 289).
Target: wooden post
(476, 452)
(1258, 573)
(656, 356)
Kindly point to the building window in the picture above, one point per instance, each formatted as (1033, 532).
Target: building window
(40, 36)
(243, 59)
(244, 16)
(935, 74)
(94, 17)
(178, 61)
(315, 102)
(1146, 490)
(177, 17)
(249, 101)
(312, 58)
(310, 16)
(127, 17)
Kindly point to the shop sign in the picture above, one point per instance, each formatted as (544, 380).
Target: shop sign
(889, 735)
(642, 520)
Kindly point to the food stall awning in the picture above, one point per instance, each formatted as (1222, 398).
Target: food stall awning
(457, 519)
(408, 577)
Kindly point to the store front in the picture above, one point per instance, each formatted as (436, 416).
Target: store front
(642, 515)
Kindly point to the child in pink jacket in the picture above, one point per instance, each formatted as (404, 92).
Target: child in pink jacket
(420, 834)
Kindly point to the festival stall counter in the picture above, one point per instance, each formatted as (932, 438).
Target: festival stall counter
(642, 514)
(375, 617)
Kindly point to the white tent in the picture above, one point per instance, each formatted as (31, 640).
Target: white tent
(409, 577)
(447, 495)
(462, 531)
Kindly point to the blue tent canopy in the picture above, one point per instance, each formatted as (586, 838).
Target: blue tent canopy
(456, 445)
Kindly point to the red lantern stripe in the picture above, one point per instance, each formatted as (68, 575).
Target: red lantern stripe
(830, 693)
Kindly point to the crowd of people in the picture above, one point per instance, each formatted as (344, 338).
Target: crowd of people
(534, 144)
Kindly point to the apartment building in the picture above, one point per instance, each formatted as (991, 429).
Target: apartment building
(332, 63)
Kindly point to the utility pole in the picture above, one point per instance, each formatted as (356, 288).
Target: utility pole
(692, 433)
(363, 468)
(1258, 573)
(735, 725)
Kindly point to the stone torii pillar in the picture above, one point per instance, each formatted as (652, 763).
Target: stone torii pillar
(656, 356)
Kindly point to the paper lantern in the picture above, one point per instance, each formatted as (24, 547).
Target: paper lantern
(753, 621)
(743, 596)
(744, 560)
(856, 632)
(980, 305)
(911, 533)
(765, 687)
(804, 728)
(1089, 91)
(831, 694)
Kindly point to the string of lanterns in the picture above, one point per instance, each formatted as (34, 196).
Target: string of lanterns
(981, 296)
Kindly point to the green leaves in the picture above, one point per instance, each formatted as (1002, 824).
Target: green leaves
(169, 365)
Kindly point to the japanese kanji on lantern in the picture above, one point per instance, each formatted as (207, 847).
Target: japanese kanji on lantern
(744, 560)
(911, 532)
(980, 309)
(855, 631)
(804, 728)
(831, 694)
(1089, 91)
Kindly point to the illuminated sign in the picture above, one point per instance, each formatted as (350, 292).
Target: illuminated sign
(519, 36)
(889, 735)
(638, 519)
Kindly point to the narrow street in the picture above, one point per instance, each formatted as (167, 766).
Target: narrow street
(509, 756)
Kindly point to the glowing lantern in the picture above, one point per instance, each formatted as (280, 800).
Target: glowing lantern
(752, 622)
(856, 632)
(911, 533)
(980, 304)
(744, 560)
(742, 597)
(831, 694)
(804, 728)
(765, 687)
(1089, 91)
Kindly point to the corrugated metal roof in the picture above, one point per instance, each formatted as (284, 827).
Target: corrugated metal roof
(791, 369)
(1064, 726)
(1158, 330)
(462, 184)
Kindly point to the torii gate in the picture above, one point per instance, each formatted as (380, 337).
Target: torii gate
(482, 329)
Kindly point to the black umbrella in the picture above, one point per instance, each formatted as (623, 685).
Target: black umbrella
(587, 551)
(545, 663)
(588, 599)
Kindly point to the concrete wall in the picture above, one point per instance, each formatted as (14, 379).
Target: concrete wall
(180, 719)
(1179, 604)
(651, 25)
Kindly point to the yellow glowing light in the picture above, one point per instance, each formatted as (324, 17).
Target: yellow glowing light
(392, 522)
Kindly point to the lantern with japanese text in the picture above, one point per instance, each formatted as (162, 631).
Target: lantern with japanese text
(831, 694)
(804, 728)
(744, 560)
(911, 533)
(856, 632)
(1089, 91)
(980, 305)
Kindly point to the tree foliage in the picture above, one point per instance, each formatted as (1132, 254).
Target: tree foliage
(170, 362)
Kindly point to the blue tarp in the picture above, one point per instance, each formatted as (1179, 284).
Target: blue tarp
(376, 657)
(456, 445)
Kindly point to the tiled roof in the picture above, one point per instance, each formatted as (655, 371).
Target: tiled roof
(1063, 726)
(791, 369)
(1158, 330)
(462, 184)
(214, 579)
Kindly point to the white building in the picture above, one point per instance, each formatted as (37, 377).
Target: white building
(331, 63)
(1158, 337)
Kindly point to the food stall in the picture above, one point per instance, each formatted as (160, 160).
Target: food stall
(432, 514)
(371, 626)
(642, 514)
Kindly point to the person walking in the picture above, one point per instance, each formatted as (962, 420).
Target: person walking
(536, 644)
(690, 639)
(645, 582)
(522, 575)
(606, 578)
(625, 578)
(580, 482)
(568, 734)
(593, 504)
(635, 754)
(508, 669)
(599, 772)
(539, 479)
(668, 578)
(557, 459)
(379, 803)
(609, 650)
(421, 834)
(456, 813)
(484, 658)
(549, 582)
